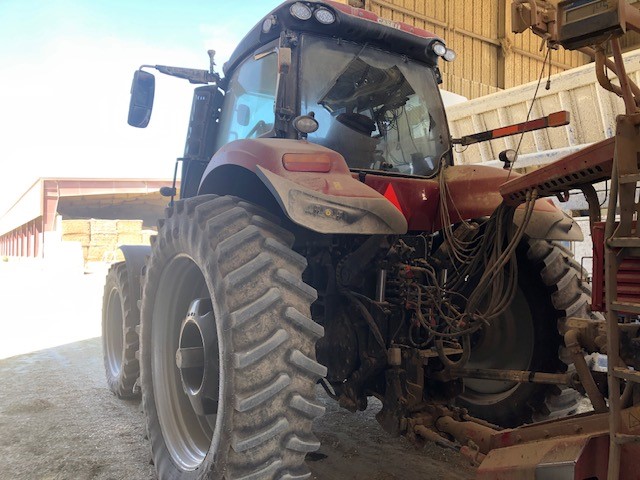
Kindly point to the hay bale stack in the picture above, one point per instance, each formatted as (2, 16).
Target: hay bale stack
(129, 239)
(104, 233)
(104, 227)
(76, 227)
(104, 239)
(100, 238)
(84, 239)
(128, 226)
(146, 236)
(97, 252)
(129, 232)
(76, 231)
(103, 253)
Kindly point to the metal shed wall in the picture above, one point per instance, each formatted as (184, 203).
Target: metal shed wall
(24, 228)
(490, 57)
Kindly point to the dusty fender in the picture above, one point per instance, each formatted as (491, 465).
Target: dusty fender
(475, 192)
(321, 195)
(135, 257)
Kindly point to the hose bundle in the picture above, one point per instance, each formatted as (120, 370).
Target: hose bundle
(490, 254)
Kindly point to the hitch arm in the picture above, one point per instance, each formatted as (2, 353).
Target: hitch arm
(557, 119)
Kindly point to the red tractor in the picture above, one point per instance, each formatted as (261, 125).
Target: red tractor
(324, 235)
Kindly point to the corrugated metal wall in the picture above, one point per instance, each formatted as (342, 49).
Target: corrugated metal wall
(490, 57)
(524, 60)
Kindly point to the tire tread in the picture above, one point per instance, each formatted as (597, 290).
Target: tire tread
(264, 309)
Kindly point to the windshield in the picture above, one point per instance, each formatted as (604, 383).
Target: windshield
(380, 111)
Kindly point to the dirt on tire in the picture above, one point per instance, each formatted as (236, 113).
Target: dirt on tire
(60, 421)
(259, 335)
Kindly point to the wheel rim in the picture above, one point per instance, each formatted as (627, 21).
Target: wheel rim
(188, 435)
(114, 333)
(497, 348)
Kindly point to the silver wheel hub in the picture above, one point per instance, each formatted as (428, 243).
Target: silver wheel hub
(197, 358)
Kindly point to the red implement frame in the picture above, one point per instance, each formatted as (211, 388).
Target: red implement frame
(628, 276)
(575, 171)
(619, 245)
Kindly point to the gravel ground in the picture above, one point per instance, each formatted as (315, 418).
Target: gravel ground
(59, 421)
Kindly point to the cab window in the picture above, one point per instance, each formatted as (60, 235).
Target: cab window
(248, 110)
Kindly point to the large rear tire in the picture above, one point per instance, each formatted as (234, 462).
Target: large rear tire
(120, 318)
(528, 337)
(222, 281)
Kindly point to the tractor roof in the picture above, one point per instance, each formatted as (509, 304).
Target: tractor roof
(352, 24)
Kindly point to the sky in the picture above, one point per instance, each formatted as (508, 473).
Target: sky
(65, 76)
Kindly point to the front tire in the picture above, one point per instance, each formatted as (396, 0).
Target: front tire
(222, 279)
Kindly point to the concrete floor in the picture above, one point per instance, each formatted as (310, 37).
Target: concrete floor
(59, 421)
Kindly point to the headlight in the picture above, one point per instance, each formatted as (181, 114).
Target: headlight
(268, 23)
(305, 124)
(449, 55)
(439, 49)
(300, 11)
(324, 16)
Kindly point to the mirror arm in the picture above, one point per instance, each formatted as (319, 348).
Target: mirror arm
(193, 75)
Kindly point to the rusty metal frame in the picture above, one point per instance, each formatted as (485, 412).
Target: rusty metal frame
(618, 240)
(619, 159)
(520, 376)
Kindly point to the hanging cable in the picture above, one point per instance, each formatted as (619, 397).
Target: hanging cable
(535, 96)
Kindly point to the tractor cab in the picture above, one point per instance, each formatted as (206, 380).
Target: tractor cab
(335, 75)
(379, 110)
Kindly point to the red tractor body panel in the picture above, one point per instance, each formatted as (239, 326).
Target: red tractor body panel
(417, 198)
(323, 186)
(327, 200)
(473, 193)
(269, 153)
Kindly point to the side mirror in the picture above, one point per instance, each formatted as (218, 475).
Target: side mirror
(141, 103)
(243, 115)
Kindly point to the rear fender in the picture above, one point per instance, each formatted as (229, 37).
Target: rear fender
(135, 257)
(325, 202)
(474, 192)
